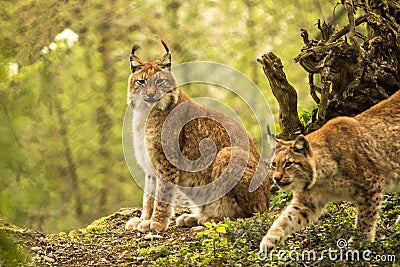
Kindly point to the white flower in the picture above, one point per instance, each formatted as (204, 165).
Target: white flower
(52, 46)
(68, 36)
(45, 50)
(65, 39)
(13, 68)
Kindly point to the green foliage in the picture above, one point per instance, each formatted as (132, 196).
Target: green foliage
(280, 199)
(306, 116)
(390, 206)
(233, 242)
(236, 243)
(11, 254)
(227, 243)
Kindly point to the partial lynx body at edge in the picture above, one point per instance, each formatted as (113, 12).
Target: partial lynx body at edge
(160, 106)
(354, 159)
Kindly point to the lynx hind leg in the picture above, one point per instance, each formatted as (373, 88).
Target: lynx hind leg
(214, 212)
(148, 204)
(194, 219)
(187, 220)
(237, 203)
(244, 163)
(367, 216)
(224, 207)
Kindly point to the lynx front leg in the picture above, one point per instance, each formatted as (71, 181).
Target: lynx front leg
(162, 211)
(148, 203)
(296, 216)
(367, 216)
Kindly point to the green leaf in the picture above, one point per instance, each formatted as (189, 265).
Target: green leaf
(220, 229)
(208, 225)
(62, 234)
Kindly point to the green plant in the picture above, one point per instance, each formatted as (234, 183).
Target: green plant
(280, 199)
(307, 116)
(213, 239)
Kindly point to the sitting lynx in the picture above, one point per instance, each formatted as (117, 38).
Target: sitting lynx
(354, 159)
(157, 104)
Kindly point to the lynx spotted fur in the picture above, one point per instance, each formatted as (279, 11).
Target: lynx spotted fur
(354, 159)
(153, 95)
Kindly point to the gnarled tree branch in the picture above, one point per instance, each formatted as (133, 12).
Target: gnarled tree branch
(285, 94)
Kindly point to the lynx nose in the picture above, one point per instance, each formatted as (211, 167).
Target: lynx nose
(151, 94)
(277, 179)
(150, 97)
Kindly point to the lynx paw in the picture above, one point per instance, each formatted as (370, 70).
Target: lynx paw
(133, 223)
(268, 242)
(187, 220)
(148, 225)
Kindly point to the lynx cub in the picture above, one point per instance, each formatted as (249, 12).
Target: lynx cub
(155, 99)
(354, 159)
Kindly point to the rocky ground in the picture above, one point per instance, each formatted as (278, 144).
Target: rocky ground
(105, 242)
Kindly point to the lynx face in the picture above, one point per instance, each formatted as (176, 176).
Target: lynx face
(151, 83)
(293, 165)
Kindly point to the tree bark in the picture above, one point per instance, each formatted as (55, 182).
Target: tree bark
(106, 104)
(286, 95)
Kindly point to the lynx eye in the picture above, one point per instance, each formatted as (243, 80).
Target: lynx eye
(160, 82)
(141, 82)
(273, 165)
(289, 164)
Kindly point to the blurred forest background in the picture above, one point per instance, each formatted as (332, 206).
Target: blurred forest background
(63, 77)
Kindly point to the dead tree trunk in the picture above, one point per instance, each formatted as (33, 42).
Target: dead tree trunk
(285, 94)
(356, 70)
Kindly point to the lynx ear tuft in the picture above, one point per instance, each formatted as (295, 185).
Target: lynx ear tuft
(135, 62)
(165, 61)
(135, 65)
(300, 144)
(134, 48)
(273, 139)
(165, 46)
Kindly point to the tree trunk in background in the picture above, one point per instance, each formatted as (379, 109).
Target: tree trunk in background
(103, 116)
(70, 169)
(251, 37)
(65, 165)
(356, 71)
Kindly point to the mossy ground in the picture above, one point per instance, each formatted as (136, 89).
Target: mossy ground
(105, 242)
